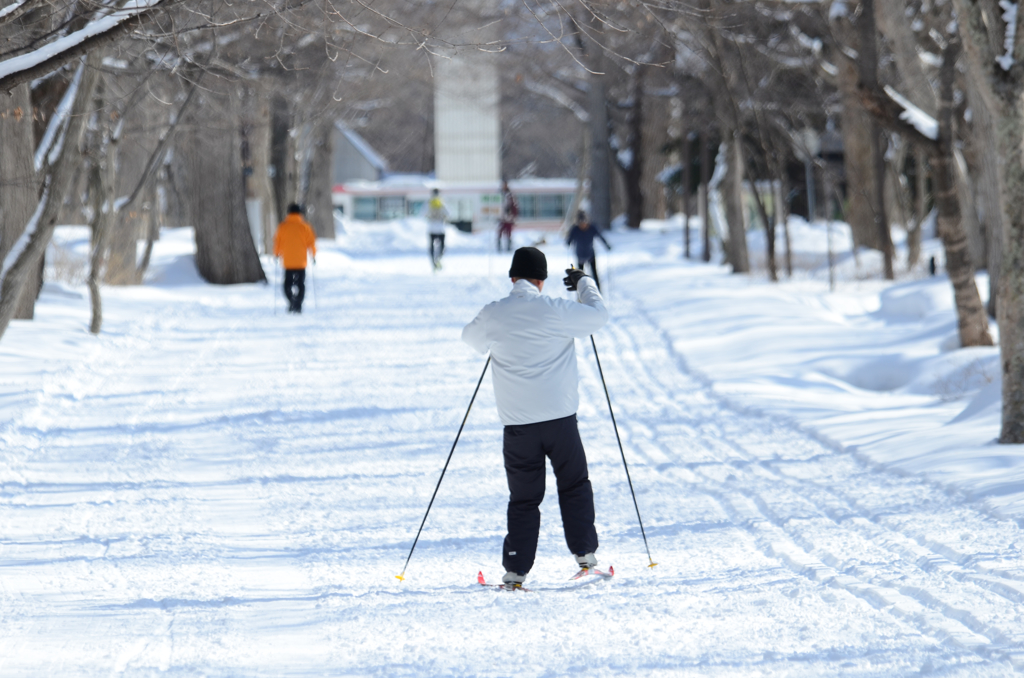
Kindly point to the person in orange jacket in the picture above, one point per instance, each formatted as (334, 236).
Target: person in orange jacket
(293, 239)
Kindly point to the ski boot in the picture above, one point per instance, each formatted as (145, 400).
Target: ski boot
(513, 580)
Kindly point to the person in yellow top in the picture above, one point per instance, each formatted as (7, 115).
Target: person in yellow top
(293, 239)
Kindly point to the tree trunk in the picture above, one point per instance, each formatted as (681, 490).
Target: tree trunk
(319, 208)
(915, 234)
(971, 316)
(152, 230)
(57, 183)
(18, 185)
(100, 226)
(868, 66)
(858, 160)
(684, 190)
(633, 165)
(769, 229)
(600, 151)
(261, 183)
(704, 197)
(782, 217)
(1011, 284)
(120, 229)
(989, 188)
(282, 155)
(968, 194)
(732, 194)
(225, 252)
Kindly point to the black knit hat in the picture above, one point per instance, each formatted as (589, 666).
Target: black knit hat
(294, 208)
(529, 262)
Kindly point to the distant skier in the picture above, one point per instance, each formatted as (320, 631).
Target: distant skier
(509, 212)
(531, 339)
(294, 237)
(582, 234)
(437, 214)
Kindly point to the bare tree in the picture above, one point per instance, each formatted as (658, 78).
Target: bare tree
(28, 252)
(992, 48)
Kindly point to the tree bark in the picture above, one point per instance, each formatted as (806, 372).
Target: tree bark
(57, 184)
(319, 208)
(989, 188)
(99, 188)
(632, 171)
(920, 207)
(704, 197)
(769, 229)
(862, 152)
(971, 317)
(782, 218)
(225, 252)
(152, 230)
(868, 63)
(732, 194)
(261, 186)
(600, 151)
(684, 190)
(282, 154)
(983, 33)
(18, 188)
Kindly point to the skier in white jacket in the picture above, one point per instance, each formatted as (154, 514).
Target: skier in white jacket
(531, 339)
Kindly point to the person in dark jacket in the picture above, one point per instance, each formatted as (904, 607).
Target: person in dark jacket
(509, 212)
(582, 235)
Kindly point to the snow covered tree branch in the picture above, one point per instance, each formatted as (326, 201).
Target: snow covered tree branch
(101, 30)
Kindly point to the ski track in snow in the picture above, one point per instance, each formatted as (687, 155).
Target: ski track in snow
(221, 491)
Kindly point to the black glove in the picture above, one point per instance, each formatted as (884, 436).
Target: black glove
(572, 278)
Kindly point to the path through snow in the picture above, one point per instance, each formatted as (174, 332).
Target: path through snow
(217, 490)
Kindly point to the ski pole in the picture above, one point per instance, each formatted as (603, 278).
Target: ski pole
(624, 464)
(312, 280)
(424, 522)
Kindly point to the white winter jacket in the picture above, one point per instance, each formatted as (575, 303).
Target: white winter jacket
(533, 352)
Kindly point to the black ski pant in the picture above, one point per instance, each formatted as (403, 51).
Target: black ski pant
(436, 247)
(525, 448)
(295, 288)
(592, 262)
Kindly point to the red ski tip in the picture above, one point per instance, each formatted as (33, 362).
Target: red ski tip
(611, 570)
(480, 578)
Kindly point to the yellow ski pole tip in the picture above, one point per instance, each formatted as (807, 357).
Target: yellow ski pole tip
(399, 577)
(652, 564)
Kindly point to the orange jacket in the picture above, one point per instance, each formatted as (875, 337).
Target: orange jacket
(294, 236)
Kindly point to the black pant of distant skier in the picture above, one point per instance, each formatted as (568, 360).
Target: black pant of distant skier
(525, 449)
(592, 263)
(436, 249)
(295, 288)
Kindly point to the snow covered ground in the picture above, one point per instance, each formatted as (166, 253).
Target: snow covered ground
(214, 487)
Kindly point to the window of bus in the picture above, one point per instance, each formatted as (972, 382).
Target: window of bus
(543, 206)
(364, 209)
(392, 207)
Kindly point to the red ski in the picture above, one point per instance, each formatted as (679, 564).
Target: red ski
(594, 572)
(483, 582)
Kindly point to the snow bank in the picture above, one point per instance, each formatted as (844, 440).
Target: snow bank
(874, 368)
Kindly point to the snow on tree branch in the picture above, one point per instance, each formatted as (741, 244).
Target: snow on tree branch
(22, 241)
(59, 118)
(922, 122)
(22, 68)
(1010, 10)
(13, 7)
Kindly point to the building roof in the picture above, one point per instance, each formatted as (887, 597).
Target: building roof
(363, 147)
